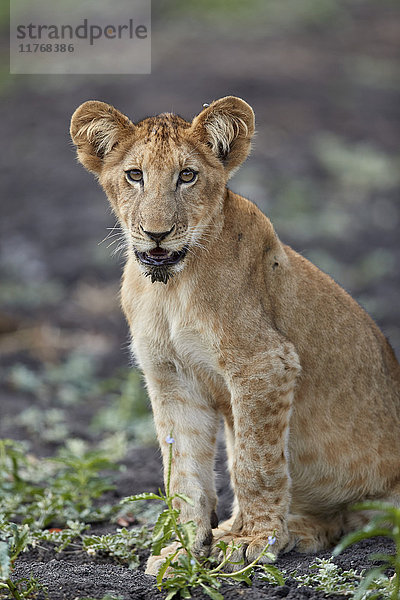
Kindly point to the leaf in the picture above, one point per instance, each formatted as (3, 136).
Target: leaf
(162, 532)
(378, 522)
(212, 593)
(163, 568)
(367, 581)
(384, 507)
(163, 540)
(275, 572)
(5, 562)
(188, 531)
(184, 564)
(163, 522)
(388, 558)
(269, 555)
(134, 562)
(21, 535)
(222, 546)
(357, 536)
(241, 577)
(158, 545)
(171, 595)
(185, 498)
(143, 496)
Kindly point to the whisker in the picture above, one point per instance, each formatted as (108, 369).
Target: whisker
(120, 248)
(114, 241)
(111, 232)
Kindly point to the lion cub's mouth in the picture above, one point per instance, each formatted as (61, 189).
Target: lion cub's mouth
(161, 257)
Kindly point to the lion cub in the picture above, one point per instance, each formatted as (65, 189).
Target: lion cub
(226, 320)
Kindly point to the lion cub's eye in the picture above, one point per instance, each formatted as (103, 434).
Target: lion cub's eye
(187, 176)
(134, 175)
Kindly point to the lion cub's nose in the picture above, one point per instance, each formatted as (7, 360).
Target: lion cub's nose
(157, 237)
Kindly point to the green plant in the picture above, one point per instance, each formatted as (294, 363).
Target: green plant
(12, 460)
(127, 408)
(77, 479)
(53, 491)
(120, 545)
(184, 568)
(329, 578)
(56, 386)
(18, 479)
(23, 589)
(14, 539)
(61, 538)
(56, 491)
(358, 166)
(48, 424)
(67, 383)
(385, 523)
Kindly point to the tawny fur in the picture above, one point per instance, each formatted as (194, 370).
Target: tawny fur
(307, 385)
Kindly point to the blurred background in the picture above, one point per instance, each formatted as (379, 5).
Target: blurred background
(323, 78)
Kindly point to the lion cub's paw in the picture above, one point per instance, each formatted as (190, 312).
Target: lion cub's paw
(201, 548)
(250, 547)
(155, 562)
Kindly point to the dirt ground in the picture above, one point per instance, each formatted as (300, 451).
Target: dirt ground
(325, 167)
(71, 575)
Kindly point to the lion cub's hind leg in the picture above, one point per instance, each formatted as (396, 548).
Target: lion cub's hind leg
(309, 533)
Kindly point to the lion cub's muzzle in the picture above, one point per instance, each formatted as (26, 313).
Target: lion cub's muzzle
(160, 257)
(158, 262)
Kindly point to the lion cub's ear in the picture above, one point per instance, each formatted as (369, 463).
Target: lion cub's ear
(226, 126)
(96, 128)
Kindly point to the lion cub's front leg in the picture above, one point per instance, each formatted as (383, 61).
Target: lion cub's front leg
(185, 418)
(261, 396)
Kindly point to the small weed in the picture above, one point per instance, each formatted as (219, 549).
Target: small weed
(68, 383)
(58, 386)
(77, 480)
(376, 584)
(356, 166)
(14, 539)
(186, 570)
(61, 538)
(57, 491)
(329, 578)
(48, 424)
(127, 409)
(22, 589)
(53, 491)
(120, 545)
(145, 512)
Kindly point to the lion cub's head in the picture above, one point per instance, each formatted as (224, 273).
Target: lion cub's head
(165, 177)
